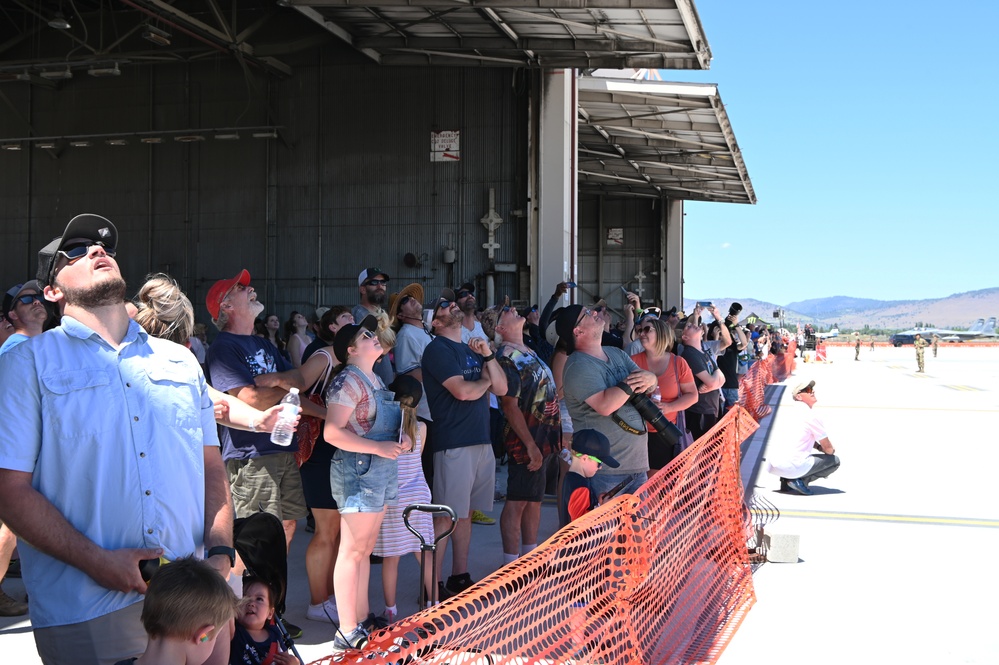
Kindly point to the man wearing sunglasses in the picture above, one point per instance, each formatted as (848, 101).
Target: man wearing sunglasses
(113, 459)
(372, 285)
(24, 307)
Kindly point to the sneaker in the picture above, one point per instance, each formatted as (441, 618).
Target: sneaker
(442, 593)
(10, 607)
(479, 517)
(355, 639)
(458, 583)
(294, 632)
(373, 623)
(324, 611)
(798, 486)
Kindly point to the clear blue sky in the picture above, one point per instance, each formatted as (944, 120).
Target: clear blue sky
(869, 130)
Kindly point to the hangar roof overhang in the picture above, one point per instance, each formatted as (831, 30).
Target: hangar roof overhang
(654, 139)
(654, 34)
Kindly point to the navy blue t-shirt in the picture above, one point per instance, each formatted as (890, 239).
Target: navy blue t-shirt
(456, 423)
(232, 362)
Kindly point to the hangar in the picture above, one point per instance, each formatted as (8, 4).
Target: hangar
(505, 142)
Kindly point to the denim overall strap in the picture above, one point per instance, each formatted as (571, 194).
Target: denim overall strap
(388, 412)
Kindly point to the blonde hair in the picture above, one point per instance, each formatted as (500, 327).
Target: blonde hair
(163, 309)
(665, 339)
(184, 596)
(386, 336)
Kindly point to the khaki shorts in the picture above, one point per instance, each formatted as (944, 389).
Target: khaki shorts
(267, 484)
(101, 641)
(465, 479)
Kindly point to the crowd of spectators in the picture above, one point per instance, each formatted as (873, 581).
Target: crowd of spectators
(405, 398)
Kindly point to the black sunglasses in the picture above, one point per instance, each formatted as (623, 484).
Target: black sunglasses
(463, 294)
(74, 253)
(30, 298)
(376, 282)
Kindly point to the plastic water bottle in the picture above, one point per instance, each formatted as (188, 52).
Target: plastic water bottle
(285, 426)
(656, 395)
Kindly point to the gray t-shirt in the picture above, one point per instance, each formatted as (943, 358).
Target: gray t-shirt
(409, 345)
(585, 376)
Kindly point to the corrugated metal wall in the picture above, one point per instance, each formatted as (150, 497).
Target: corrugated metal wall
(604, 266)
(350, 183)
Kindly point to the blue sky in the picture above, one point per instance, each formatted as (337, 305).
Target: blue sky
(868, 129)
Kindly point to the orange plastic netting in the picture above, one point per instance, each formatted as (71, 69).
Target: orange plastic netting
(773, 369)
(659, 577)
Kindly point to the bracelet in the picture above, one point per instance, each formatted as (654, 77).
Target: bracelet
(626, 388)
(485, 359)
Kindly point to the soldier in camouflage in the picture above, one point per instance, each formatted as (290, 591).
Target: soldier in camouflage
(920, 345)
(856, 346)
(936, 343)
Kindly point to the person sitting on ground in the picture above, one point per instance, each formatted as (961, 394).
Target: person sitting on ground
(795, 459)
(257, 640)
(590, 451)
(187, 605)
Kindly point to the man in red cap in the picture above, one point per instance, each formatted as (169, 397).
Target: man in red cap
(263, 475)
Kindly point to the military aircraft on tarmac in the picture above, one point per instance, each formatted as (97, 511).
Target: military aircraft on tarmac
(981, 329)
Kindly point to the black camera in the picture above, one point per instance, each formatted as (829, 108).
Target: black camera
(734, 309)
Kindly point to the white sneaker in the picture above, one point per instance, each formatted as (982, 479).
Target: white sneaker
(324, 611)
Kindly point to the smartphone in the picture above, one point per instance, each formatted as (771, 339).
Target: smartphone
(570, 285)
(624, 291)
(617, 488)
(704, 304)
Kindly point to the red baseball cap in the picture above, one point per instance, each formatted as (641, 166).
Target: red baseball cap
(221, 289)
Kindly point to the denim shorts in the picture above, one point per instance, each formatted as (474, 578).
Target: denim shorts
(362, 482)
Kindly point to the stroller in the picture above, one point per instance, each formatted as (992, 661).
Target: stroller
(259, 540)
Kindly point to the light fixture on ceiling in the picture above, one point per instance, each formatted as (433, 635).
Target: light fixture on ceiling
(80, 144)
(59, 22)
(156, 36)
(189, 138)
(10, 146)
(151, 140)
(271, 134)
(117, 142)
(227, 136)
(57, 74)
(46, 145)
(98, 72)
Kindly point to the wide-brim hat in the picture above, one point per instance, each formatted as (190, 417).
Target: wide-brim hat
(413, 290)
(221, 288)
(345, 336)
(90, 227)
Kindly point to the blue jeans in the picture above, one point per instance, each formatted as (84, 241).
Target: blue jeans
(731, 396)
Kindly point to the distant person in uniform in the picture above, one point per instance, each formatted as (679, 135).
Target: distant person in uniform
(872, 343)
(856, 346)
(936, 343)
(920, 345)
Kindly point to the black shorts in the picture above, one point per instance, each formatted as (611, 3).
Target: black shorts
(316, 477)
(524, 485)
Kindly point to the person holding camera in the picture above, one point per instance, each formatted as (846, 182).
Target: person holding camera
(709, 379)
(728, 362)
(598, 382)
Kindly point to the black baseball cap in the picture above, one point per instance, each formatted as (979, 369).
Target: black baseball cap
(566, 323)
(346, 334)
(93, 228)
(592, 442)
(446, 296)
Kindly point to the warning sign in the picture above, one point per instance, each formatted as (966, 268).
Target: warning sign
(445, 146)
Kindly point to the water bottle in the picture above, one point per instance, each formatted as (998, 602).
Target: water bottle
(285, 426)
(656, 395)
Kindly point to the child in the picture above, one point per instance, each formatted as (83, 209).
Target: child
(394, 539)
(257, 640)
(590, 451)
(187, 604)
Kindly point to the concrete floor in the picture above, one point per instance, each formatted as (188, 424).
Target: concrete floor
(895, 551)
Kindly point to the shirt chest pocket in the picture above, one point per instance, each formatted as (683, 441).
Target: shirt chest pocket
(173, 388)
(78, 402)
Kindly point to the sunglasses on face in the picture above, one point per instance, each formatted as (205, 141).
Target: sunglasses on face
(582, 316)
(463, 294)
(586, 457)
(30, 298)
(74, 253)
(444, 304)
(646, 330)
(367, 334)
(376, 282)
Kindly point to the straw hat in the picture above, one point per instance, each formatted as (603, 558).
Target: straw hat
(413, 290)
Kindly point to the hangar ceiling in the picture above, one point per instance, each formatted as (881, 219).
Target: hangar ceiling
(45, 41)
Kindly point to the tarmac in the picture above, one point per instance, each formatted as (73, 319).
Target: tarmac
(895, 550)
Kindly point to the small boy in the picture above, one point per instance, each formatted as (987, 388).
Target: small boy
(590, 451)
(257, 640)
(186, 605)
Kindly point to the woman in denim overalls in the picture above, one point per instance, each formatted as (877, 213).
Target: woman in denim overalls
(363, 422)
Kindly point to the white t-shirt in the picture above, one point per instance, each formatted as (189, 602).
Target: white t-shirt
(410, 343)
(789, 457)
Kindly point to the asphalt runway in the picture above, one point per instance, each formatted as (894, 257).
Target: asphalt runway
(896, 548)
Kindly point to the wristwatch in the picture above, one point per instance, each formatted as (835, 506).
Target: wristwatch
(222, 549)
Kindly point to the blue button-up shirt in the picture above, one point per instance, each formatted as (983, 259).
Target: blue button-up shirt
(114, 439)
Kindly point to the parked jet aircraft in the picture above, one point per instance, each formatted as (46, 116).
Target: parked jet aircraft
(981, 329)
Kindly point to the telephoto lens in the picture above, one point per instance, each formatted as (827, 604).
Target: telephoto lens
(667, 433)
(734, 309)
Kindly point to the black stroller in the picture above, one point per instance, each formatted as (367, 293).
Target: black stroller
(259, 540)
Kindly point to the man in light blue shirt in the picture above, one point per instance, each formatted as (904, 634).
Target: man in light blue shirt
(111, 456)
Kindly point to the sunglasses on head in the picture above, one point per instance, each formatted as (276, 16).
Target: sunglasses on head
(654, 311)
(30, 298)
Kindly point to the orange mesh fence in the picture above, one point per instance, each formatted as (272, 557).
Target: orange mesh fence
(773, 369)
(659, 577)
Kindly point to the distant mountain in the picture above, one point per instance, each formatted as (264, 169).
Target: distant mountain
(959, 310)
